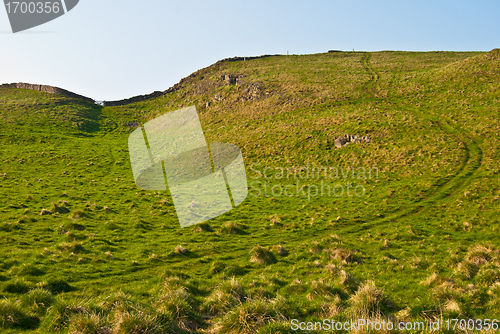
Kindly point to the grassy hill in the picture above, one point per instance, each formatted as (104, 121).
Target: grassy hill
(403, 226)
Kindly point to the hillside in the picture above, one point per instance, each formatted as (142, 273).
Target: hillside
(413, 236)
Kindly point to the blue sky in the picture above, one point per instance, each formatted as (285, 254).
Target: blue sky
(110, 49)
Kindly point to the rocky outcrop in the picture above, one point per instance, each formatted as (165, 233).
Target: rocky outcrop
(493, 54)
(47, 89)
(350, 139)
(230, 80)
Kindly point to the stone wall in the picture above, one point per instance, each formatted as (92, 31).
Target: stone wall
(245, 58)
(134, 99)
(47, 89)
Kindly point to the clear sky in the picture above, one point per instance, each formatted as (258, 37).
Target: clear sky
(113, 49)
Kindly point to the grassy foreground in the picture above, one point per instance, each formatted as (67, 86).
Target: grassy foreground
(403, 227)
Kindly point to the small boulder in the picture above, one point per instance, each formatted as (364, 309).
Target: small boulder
(339, 142)
(45, 212)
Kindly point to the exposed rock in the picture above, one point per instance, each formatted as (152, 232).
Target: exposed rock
(339, 142)
(45, 212)
(350, 139)
(229, 79)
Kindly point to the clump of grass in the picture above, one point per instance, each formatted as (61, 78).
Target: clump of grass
(135, 321)
(488, 275)
(203, 227)
(57, 285)
(261, 255)
(223, 297)
(403, 315)
(248, 317)
(322, 289)
(62, 310)
(29, 270)
(25, 219)
(334, 239)
(369, 302)
(297, 287)
(479, 254)
(466, 270)
(275, 220)
(345, 255)
(348, 281)
(17, 286)
(112, 226)
(332, 270)
(176, 305)
(448, 298)
(73, 226)
(11, 316)
(315, 248)
(59, 209)
(333, 308)
(8, 227)
(453, 306)
(74, 236)
(280, 250)
(216, 267)
(494, 292)
(88, 323)
(431, 279)
(38, 300)
(118, 301)
(78, 214)
(74, 247)
(231, 228)
(419, 263)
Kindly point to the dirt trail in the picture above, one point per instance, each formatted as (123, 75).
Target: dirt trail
(452, 185)
(371, 86)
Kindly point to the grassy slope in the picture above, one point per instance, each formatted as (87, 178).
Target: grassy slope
(433, 120)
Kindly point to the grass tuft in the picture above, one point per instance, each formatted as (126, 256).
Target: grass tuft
(231, 228)
(38, 300)
(225, 296)
(248, 317)
(369, 302)
(262, 255)
(11, 316)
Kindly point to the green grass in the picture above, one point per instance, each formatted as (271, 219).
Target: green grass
(420, 243)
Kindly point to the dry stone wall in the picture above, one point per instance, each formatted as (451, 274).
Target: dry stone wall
(47, 89)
